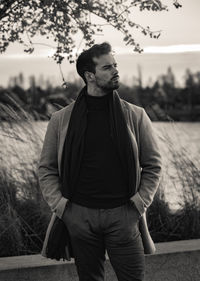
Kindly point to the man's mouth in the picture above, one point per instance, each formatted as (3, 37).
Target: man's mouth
(115, 77)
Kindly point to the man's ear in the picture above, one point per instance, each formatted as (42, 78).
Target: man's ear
(89, 76)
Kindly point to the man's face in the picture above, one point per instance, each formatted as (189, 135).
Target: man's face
(106, 75)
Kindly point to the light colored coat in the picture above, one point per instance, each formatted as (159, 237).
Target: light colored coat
(147, 156)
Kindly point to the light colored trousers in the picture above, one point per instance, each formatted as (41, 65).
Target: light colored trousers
(116, 230)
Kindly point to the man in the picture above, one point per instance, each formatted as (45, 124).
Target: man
(99, 170)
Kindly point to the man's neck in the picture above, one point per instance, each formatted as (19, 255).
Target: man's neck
(94, 91)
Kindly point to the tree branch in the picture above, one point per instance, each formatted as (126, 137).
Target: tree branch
(6, 5)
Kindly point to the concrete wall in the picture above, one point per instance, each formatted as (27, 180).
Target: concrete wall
(173, 261)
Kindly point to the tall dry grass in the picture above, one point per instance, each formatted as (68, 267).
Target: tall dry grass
(181, 180)
(23, 213)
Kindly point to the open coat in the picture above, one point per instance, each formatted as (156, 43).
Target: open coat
(148, 163)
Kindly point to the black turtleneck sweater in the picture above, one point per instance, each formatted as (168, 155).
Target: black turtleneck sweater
(100, 183)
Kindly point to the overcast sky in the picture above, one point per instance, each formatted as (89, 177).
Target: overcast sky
(179, 27)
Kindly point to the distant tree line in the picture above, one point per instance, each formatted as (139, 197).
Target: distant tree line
(163, 100)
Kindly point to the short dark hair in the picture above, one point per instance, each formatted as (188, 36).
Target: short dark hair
(85, 60)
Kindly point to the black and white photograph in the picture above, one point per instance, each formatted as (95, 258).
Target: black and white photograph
(100, 140)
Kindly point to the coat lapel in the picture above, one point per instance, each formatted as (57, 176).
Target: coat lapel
(63, 126)
(131, 132)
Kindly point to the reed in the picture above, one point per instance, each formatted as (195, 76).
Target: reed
(181, 179)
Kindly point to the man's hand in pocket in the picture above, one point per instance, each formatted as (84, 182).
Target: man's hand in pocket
(132, 205)
(65, 213)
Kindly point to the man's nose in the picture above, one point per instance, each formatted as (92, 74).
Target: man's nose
(115, 71)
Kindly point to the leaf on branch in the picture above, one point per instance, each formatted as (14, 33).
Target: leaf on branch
(65, 85)
(177, 4)
(29, 50)
(158, 35)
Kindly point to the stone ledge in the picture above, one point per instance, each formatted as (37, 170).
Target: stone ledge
(178, 260)
(177, 246)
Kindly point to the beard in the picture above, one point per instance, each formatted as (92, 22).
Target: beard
(109, 86)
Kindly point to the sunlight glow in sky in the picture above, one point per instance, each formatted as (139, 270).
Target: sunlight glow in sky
(162, 49)
(172, 49)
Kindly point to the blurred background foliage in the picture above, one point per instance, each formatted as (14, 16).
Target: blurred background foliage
(163, 99)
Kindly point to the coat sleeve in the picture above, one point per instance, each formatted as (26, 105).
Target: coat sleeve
(48, 174)
(150, 162)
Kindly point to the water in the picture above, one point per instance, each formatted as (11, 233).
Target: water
(180, 148)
